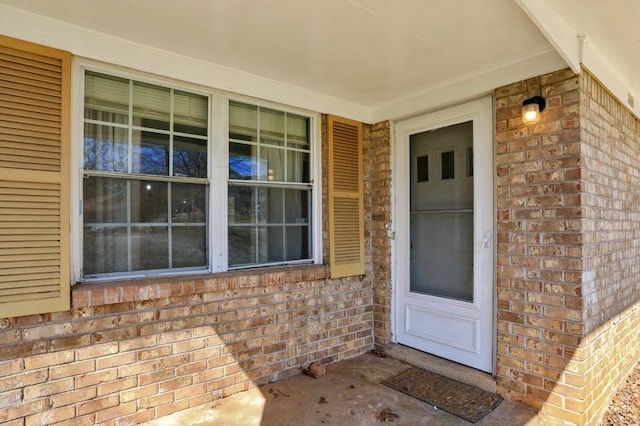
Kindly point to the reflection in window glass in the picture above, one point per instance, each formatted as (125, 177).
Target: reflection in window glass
(149, 247)
(188, 246)
(269, 200)
(106, 148)
(150, 153)
(102, 248)
(148, 201)
(133, 224)
(189, 157)
(105, 200)
(242, 245)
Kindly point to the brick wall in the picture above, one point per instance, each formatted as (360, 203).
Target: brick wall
(611, 285)
(139, 349)
(377, 166)
(566, 240)
(539, 254)
(142, 349)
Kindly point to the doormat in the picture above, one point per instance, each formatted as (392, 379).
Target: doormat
(462, 400)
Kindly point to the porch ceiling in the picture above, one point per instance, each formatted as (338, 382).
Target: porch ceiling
(378, 59)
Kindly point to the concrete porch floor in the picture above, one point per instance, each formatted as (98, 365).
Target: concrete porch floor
(349, 394)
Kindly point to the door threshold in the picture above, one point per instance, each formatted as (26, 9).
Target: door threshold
(450, 369)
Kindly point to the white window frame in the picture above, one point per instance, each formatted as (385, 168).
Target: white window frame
(218, 148)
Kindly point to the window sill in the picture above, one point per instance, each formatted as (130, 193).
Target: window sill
(143, 289)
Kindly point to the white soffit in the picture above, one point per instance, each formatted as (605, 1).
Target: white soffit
(369, 60)
(602, 35)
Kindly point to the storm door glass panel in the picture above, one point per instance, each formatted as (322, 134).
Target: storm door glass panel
(441, 214)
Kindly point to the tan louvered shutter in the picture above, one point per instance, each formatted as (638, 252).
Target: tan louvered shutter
(346, 210)
(34, 178)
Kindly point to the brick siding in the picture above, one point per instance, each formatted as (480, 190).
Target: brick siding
(568, 284)
(130, 351)
(377, 191)
(567, 232)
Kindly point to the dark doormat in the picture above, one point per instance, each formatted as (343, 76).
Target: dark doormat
(459, 399)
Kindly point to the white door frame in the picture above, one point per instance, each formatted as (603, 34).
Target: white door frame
(481, 111)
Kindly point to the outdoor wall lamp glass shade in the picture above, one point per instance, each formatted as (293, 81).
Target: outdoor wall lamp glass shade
(531, 109)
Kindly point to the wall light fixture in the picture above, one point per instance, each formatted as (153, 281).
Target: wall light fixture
(531, 109)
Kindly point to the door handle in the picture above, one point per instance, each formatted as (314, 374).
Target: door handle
(486, 242)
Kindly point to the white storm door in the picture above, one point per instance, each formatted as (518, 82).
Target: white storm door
(444, 219)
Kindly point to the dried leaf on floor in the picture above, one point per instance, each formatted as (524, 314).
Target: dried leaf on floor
(387, 415)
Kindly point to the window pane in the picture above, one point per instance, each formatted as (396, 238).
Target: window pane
(104, 249)
(150, 153)
(297, 242)
(297, 131)
(105, 148)
(149, 247)
(447, 161)
(271, 127)
(271, 166)
(271, 244)
(422, 168)
(106, 94)
(188, 246)
(105, 200)
(243, 121)
(242, 204)
(189, 157)
(128, 129)
(243, 162)
(271, 205)
(190, 113)
(153, 103)
(297, 206)
(242, 249)
(148, 202)
(188, 203)
(298, 169)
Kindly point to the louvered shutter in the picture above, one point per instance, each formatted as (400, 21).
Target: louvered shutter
(346, 210)
(34, 178)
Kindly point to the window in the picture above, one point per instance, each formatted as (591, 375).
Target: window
(269, 186)
(145, 177)
(151, 190)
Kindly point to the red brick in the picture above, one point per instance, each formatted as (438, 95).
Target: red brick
(97, 350)
(115, 360)
(98, 404)
(51, 416)
(88, 420)
(70, 397)
(139, 392)
(46, 360)
(117, 386)
(116, 412)
(74, 369)
(23, 379)
(11, 367)
(165, 410)
(90, 379)
(156, 376)
(141, 416)
(23, 410)
(47, 388)
(156, 352)
(155, 400)
(10, 398)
